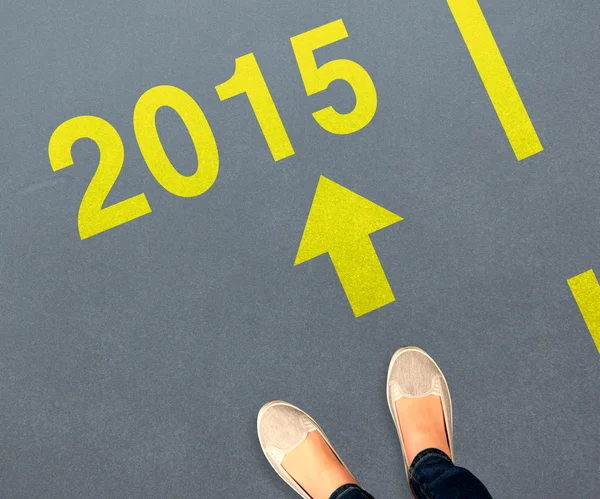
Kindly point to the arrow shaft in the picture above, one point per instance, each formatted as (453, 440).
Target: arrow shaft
(362, 276)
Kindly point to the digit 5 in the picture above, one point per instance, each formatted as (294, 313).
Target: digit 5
(317, 79)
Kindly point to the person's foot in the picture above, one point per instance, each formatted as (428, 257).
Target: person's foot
(299, 451)
(316, 468)
(422, 425)
(419, 400)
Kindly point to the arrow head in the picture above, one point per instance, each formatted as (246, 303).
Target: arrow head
(337, 218)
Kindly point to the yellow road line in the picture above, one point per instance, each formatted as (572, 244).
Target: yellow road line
(496, 77)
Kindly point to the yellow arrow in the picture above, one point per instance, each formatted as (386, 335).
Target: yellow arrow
(339, 223)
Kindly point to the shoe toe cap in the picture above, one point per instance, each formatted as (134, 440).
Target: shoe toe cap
(282, 426)
(413, 373)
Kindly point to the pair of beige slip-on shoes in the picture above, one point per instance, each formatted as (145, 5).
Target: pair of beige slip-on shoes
(412, 373)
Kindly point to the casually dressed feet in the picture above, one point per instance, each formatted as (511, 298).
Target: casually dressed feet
(316, 468)
(299, 451)
(419, 401)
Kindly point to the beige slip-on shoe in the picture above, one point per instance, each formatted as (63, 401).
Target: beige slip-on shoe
(414, 374)
(281, 428)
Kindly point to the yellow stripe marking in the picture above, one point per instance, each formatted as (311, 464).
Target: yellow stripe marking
(496, 77)
(586, 291)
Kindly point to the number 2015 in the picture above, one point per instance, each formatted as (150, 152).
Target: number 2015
(247, 79)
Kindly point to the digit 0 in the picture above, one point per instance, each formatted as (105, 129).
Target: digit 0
(144, 125)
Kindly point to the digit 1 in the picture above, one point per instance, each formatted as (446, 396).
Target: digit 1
(247, 78)
(586, 291)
